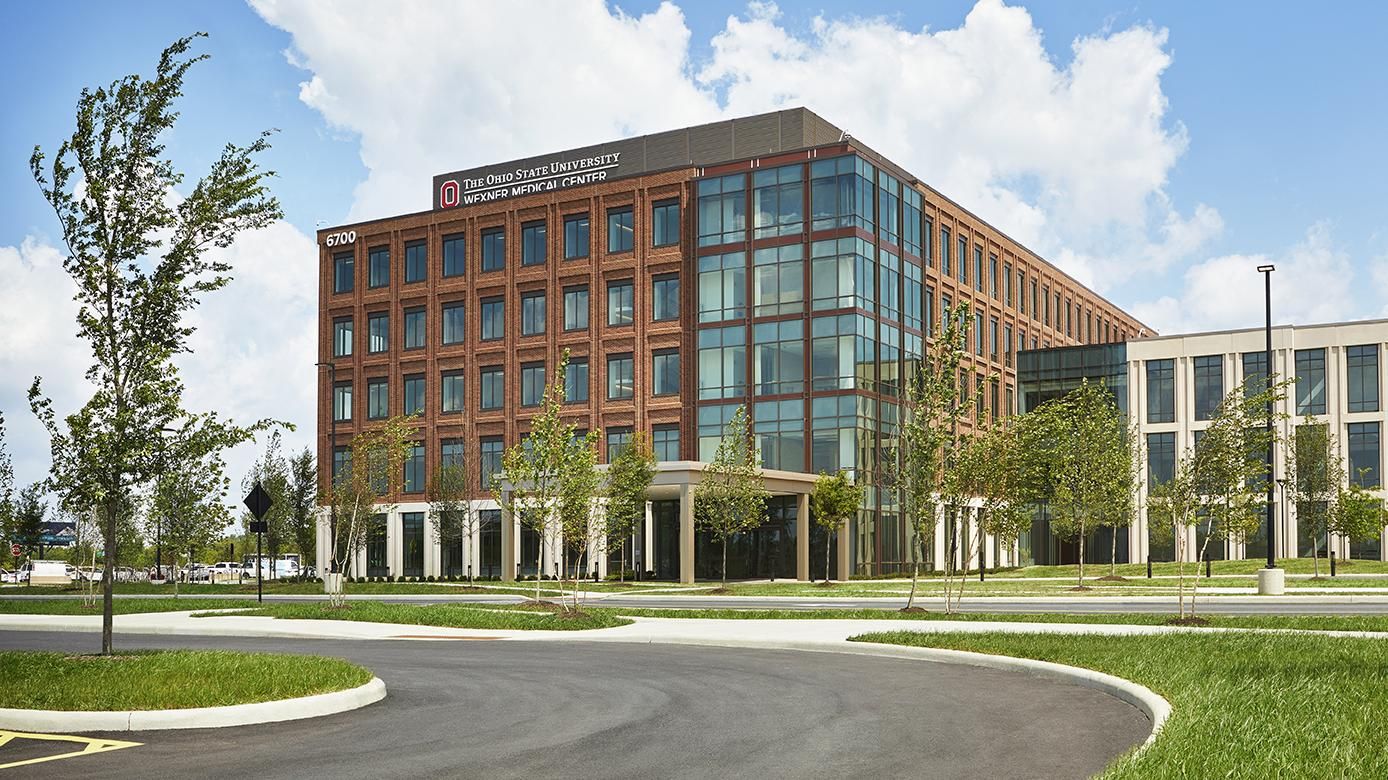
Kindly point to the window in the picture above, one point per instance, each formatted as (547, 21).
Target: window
(722, 287)
(1255, 373)
(621, 231)
(454, 323)
(944, 252)
(416, 262)
(414, 328)
(722, 210)
(1007, 343)
(342, 460)
(532, 314)
(913, 296)
(665, 298)
(712, 420)
(841, 193)
(1310, 381)
(378, 332)
(665, 374)
(889, 286)
(963, 260)
(665, 223)
(778, 364)
(621, 380)
(576, 380)
(575, 308)
(1035, 308)
(993, 338)
(451, 452)
(378, 267)
(1069, 323)
(342, 401)
(1046, 299)
(344, 265)
(1007, 287)
(722, 362)
(1364, 455)
(978, 268)
(533, 242)
(621, 308)
(843, 353)
(778, 202)
(1209, 385)
(493, 392)
(1161, 458)
(575, 236)
(911, 222)
(342, 337)
(617, 440)
(414, 483)
(412, 528)
(1363, 377)
(451, 392)
(978, 333)
(1161, 391)
(927, 234)
(490, 452)
(841, 274)
(532, 383)
(665, 441)
(414, 394)
(493, 249)
(993, 275)
(493, 318)
(929, 311)
(377, 398)
(454, 255)
(779, 429)
(888, 203)
(778, 285)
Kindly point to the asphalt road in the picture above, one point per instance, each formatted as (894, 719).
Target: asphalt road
(534, 709)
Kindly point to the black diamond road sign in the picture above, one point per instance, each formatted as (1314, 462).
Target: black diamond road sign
(258, 502)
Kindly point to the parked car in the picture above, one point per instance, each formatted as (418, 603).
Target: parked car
(89, 573)
(48, 572)
(7, 576)
(223, 571)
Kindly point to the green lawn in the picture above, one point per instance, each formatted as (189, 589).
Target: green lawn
(167, 679)
(119, 606)
(1244, 705)
(271, 586)
(503, 617)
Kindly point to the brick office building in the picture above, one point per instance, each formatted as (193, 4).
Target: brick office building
(771, 261)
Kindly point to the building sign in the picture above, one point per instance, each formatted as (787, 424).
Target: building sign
(341, 239)
(556, 174)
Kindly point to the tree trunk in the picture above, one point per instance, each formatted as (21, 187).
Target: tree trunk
(622, 562)
(915, 571)
(725, 562)
(1081, 583)
(108, 576)
(1316, 553)
(827, 555)
(1113, 554)
(1195, 581)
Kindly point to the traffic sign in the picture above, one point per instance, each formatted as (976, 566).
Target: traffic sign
(259, 502)
(15, 550)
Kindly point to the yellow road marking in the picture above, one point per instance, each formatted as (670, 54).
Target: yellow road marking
(89, 745)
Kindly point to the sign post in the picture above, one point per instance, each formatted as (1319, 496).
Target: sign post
(259, 502)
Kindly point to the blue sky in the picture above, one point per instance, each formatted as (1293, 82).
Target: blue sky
(1265, 140)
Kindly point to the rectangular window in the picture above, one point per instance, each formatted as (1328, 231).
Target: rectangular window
(493, 391)
(665, 373)
(929, 311)
(342, 460)
(665, 440)
(722, 362)
(888, 203)
(1310, 381)
(377, 398)
(412, 527)
(778, 202)
(575, 236)
(722, 210)
(944, 252)
(841, 193)
(532, 383)
(414, 328)
(962, 257)
(889, 285)
(665, 298)
(454, 255)
(532, 314)
(1046, 299)
(778, 364)
(1362, 362)
(378, 267)
(912, 296)
(843, 275)
(1255, 373)
(621, 376)
(454, 323)
(665, 223)
(617, 440)
(414, 483)
(378, 332)
(490, 451)
(1209, 385)
(978, 333)
(1161, 458)
(451, 452)
(575, 308)
(493, 318)
(416, 262)
(1007, 285)
(778, 284)
(1364, 455)
(621, 230)
(342, 337)
(722, 287)
(534, 242)
(344, 267)
(414, 394)
(576, 380)
(928, 235)
(621, 305)
(342, 401)
(1035, 307)
(1069, 323)
(843, 353)
(1161, 391)
(910, 221)
(779, 431)
(452, 392)
(493, 249)
(1007, 343)
(993, 338)
(978, 268)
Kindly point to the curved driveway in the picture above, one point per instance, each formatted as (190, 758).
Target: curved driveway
(576, 709)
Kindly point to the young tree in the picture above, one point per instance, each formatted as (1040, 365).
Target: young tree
(730, 498)
(1317, 474)
(1121, 506)
(835, 499)
(372, 473)
(628, 479)
(1175, 505)
(302, 501)
(1357, 514)
(29, 512)
(580, 524)
(189, 498)
(1003, 487)
(137, 252)
(6, 487)
(455, 517)
(272, 472)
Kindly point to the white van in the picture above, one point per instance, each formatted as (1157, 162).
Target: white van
(48, 573)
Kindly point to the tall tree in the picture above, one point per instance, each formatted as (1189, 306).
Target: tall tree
(456, 518)
(731, 498)
(138, 253)
(835, 499)
(628, 479)
(372, 473)
(271, 470)
(29, 512)
(302, 503)
(1317, 474)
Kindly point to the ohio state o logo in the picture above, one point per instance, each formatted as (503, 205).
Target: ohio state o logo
(448, 194)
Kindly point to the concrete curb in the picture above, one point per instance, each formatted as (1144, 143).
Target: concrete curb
(54, 721)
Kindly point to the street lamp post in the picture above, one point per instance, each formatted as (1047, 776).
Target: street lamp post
(1270, 579)
(332, 458)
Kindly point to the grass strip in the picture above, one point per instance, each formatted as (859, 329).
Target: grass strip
(505, 617)
(271, 586)
(119, 606)
(167, 679)
(1244, 705)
